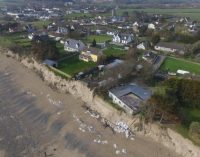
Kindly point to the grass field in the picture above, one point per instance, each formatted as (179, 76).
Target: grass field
(185, 12)
(73, 65)
(18, 38)
(116, 52)
(98, 38)
(173, 64)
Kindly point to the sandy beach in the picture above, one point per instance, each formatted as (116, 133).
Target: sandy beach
(37, 121)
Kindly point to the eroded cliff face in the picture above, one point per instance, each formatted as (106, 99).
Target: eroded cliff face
(167, 137)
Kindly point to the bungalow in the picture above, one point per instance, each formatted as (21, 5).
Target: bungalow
(170, 47)
(142, 46)
(90, 54)
(129, 97)
(72, 45)
(123, 39)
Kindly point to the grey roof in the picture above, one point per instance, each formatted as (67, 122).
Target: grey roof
(143, 94)
(115, 63)
(176, 46)
(72, 43)
(50, 62)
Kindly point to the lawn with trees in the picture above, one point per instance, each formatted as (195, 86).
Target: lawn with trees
(178, 102)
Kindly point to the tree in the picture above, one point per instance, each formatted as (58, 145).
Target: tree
(142, 30)
(125, 14)
(45, 49)
(196, 48)
(194, 131)
(155, 39)
(94, 43)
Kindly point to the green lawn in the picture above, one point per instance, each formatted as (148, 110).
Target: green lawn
(73, 65)
(173, 64)
(98, 38)
(192, 114)
(116, 52)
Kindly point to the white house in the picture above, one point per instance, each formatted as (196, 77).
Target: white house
(151, 26)
(129, 97)
(110, 33)
(123, 39)
(72, 45)
(62, 30)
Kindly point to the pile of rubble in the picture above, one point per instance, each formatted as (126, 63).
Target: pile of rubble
(121, 127)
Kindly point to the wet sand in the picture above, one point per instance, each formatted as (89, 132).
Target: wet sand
(36, 121)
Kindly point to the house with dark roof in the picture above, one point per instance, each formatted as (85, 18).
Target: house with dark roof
(170, 47)
(72, 45)
(122, 39)
(129, 97)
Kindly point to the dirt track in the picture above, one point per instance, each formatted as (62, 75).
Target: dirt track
(36, 121)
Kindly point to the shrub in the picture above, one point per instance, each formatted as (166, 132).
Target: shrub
(194, 132)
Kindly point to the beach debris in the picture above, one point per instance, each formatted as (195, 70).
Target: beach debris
(53, 102)
(6, 73)
(92, 114)
(115, 146)
(83, 126)
(99, 141)
(124, 150)
(117, 152)
(30, 93)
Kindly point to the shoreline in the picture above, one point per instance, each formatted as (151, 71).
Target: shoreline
(94, 102)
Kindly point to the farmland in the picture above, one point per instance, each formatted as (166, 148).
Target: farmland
(186, 12)
(174, 64)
